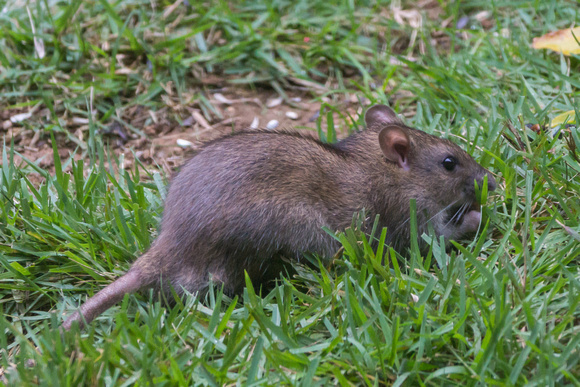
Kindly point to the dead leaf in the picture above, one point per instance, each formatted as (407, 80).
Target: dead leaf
(38, 43)
(200, 119)
(560, 41)
(20, 117)
(568, 117)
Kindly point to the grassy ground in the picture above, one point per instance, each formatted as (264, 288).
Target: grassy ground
(502, 309)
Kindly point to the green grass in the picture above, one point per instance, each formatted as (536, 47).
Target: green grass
(502, 309)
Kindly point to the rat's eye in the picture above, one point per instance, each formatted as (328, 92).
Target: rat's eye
(449, 163)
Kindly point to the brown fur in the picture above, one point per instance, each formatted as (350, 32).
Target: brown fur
(248, 199)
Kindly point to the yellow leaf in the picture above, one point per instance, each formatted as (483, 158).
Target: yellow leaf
(568, 117)
(561, 41)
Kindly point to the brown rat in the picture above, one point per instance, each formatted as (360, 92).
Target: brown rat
(246, 200)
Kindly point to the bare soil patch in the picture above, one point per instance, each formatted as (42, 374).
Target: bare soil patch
(171, 134)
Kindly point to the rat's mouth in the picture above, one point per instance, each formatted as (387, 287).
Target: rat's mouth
(465, 216)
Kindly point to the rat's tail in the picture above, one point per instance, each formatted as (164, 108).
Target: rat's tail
(131, 282)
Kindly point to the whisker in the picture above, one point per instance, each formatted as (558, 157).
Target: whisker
(428, 220)
(458, 214)
(394, 232)
(444, 209)
(455, 216)
(467, 206)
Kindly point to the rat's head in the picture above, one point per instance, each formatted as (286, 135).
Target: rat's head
(436, 172)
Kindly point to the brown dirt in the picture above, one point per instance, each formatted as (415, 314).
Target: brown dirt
(158, 144)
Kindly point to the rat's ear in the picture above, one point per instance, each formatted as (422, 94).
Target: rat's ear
(381, 114)
(395, 145)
